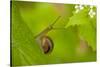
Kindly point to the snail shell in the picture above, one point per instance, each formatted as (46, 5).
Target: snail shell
(47, 44)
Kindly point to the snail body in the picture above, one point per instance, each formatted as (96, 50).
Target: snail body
(46, 43)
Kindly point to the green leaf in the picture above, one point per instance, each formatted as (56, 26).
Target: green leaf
(78, 18)
(86, 26)
(89, 34)
(25, 50)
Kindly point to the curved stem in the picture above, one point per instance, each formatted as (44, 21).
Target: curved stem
(59, 28)
(45, 31)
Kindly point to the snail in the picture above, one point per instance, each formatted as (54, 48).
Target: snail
(46, 43)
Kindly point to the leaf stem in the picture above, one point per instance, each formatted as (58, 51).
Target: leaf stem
(46, 30)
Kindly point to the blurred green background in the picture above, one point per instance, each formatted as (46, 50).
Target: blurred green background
(70, 45)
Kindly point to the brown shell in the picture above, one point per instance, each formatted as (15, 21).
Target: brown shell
(47, 44)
